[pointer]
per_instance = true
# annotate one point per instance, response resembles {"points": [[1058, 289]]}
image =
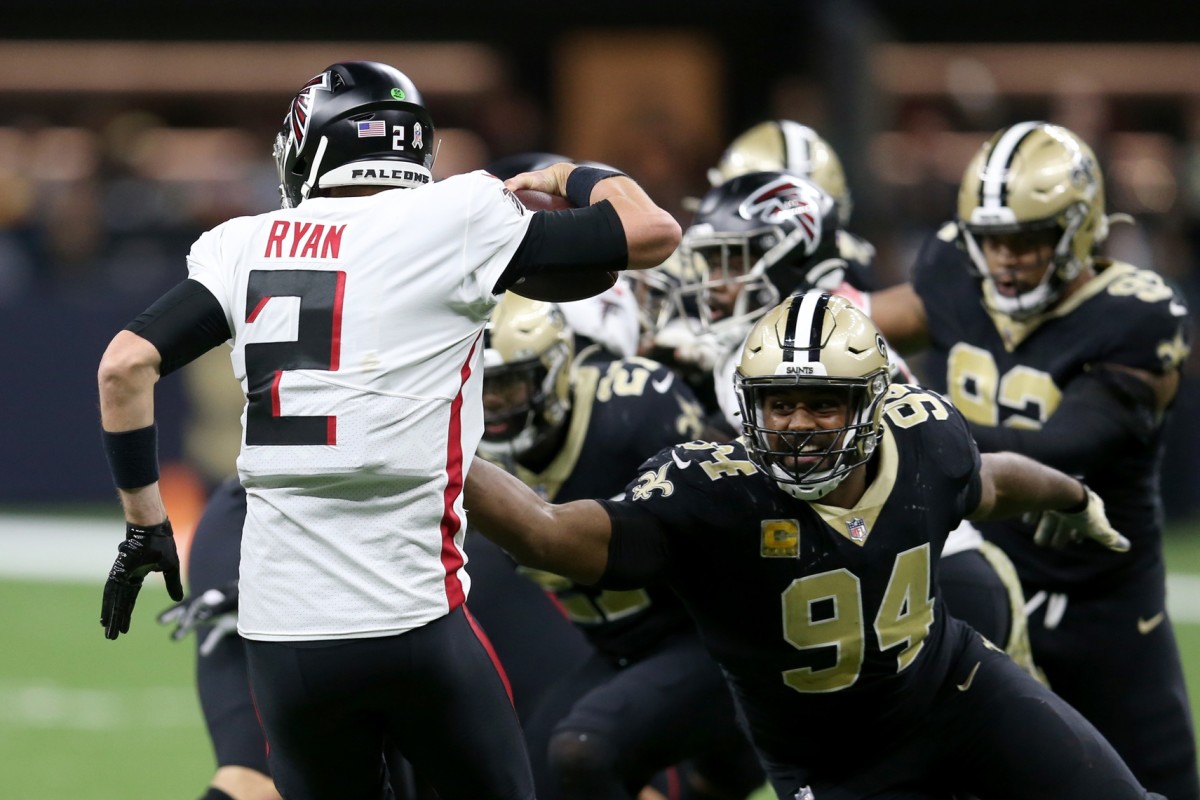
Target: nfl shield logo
{"points": [[857, 528]]}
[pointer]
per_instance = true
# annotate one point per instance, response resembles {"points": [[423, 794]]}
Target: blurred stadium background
{"points": [[127, 128]]}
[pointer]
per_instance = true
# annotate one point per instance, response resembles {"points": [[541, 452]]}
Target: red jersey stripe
{"points": [[452, 557]]}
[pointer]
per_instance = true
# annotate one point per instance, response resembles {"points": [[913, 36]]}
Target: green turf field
{"points": [[83, 717]]}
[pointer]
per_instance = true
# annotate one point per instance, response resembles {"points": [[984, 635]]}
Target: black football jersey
{"points": [[825, 619], [1000, 372], [621, 413]]}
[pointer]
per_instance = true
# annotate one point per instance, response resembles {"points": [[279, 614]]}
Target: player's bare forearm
{"points": [[128, 371], [1014, 484], [651, 233], [569, 539], [899, 314], [127, 374]]}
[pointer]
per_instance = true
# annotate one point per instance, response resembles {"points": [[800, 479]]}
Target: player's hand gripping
{"points": [[1058, 529], [216, 608], [146, 549]]}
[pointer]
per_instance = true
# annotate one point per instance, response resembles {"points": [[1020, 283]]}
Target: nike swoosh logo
{"points": [[1147, 625], [662, 384], [679, 462], [962, 687]]}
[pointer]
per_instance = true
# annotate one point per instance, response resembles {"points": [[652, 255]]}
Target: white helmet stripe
{"points": [[993, 182], [797, 146], [802, 332]]}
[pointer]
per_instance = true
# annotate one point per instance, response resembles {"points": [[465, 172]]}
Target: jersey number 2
{"points": [[317, 345]]}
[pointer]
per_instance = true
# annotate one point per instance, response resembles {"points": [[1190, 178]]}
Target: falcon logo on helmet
{"points": [[784, 145], [755, 239], [302, 107], [787, 200]]}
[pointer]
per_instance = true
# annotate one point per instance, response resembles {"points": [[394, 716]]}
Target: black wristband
{"points": [[132, 456], [582, 180], [161, 529], [1079, 508]]}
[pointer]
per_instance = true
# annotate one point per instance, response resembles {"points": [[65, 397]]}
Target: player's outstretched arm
{"points": [[651, 233], [899, 314], [128, 371], [569, 539], [1014, 484]]}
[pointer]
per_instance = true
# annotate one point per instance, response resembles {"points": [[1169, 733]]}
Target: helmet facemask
{"points": [[732, 281], [1062, 268], [818, 349], [829, 454], [534, 418], [528, 350]]}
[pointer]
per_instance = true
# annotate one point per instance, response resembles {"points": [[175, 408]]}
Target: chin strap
{"points": [[311, 181]]}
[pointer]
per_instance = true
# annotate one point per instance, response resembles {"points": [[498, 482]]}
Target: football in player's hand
{"points": [[559, 287], [541, 201]]}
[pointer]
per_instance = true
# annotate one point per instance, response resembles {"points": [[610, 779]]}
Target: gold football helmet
{"points": [[528, 350], [813, 340], [786, 145], [1034, 176]]}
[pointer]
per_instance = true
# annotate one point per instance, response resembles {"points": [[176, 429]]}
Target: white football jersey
{"points": [[609, 318], [357, 326]]}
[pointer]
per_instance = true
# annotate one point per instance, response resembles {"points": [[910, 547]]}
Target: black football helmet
{"points": [[356, 123], [772, 233]]}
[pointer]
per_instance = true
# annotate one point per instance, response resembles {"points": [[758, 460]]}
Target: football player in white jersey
{"points": [[355, 315]]}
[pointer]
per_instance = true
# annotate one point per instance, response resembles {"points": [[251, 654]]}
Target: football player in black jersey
{"points": [[1073, 359], [807, 554], [571, 426], [777, 231]]}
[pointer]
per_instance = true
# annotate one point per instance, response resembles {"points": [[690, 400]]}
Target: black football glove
{"points": [[215, 608], [146, 549]]}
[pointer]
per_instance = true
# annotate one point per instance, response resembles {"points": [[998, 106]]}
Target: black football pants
{"points": [[434, 692]]}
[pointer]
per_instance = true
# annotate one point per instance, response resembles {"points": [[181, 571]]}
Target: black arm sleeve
{"points": [[1099, 410], [588, 239], [184, 324], [638, 550]]}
